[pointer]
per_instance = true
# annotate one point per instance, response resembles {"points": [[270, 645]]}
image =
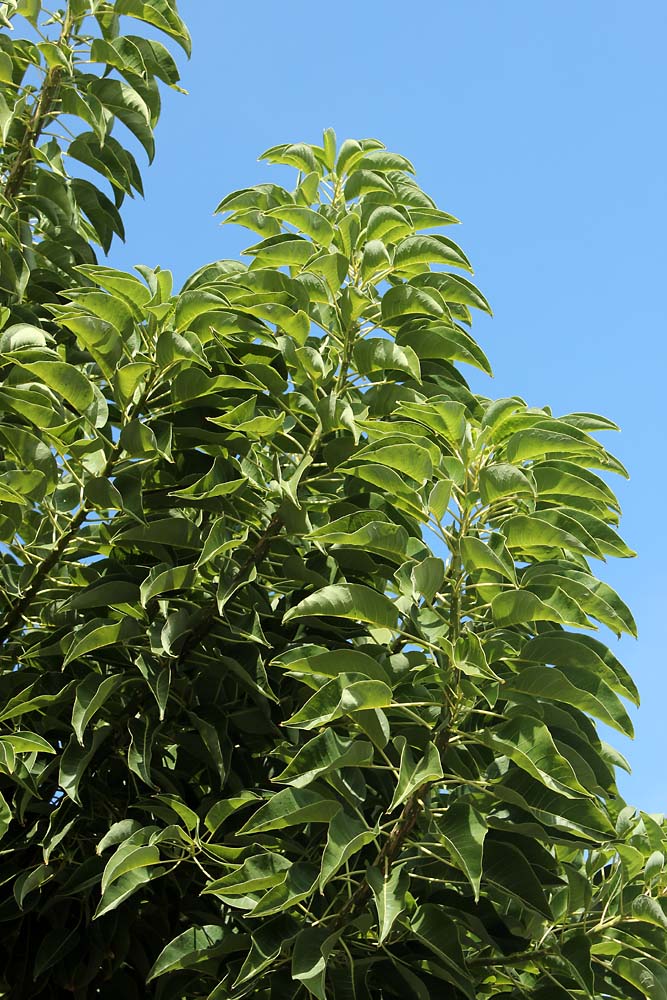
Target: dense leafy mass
{"points": [[299, 692]]}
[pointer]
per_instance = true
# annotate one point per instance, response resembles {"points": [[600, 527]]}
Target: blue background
{"points": [[542, 127]]}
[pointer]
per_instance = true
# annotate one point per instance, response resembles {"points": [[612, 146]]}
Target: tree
{"points": [[298, 694]]}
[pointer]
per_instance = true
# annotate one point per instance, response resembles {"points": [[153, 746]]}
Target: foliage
{"points": [[62, 92], [299, 692]]}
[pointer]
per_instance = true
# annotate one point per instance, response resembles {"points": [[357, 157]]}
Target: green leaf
{"points": [[25, 701], [29, 881], [6, 816], [387, 224], [597, 599], [277, 251], [127, 858], [519, 606], [566, 649], [124, 887], [352, 601], [528, 533], [412, 460], [313, 224], [389, 893], [380, 354], [382, 159], [582, 691], [324, 753], [428, 577], [529, 744], [477, 555], [463, 830], [64, 379], [172, 348], [346, 836], [330, 663], [363, 182], [446, 418], [123, 101], [309, 959], [25, 742], [374, 259], [267, 943], [91, 694], [291, 807], [496, 481], [140, 749], [439, 497], [434, 929], [438, 341], [535, 442], [187, 950], [160, 14], [185, 813], [413, 775], [98, 634], [299, 883], [221, 810], [415, 250], [403, 302], [214, 483], [636, 973], [54, 946], [102, 494], [75, 761], [261, 871], [162, 581], [343, 695], [506, 867], [390, 540], [649, 910], [455, 288], [565, 479]]}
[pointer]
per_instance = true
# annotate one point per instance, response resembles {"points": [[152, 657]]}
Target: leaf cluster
{"points": [[299, 688]]}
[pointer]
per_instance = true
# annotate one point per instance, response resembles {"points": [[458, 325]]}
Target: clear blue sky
{"points": [[542, 126]]}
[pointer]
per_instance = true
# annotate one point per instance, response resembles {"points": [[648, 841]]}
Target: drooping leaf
{"points": [[463, 830], [389, 893]]}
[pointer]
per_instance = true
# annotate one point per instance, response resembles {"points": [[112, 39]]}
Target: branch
{"points": [[393, 844], [17, 610], [40, 117], [520, 958]]}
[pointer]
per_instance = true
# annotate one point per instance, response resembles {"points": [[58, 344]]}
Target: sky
{"points": [[542, 127]]}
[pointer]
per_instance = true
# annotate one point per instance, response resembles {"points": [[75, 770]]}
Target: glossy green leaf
{"points": [[576, 688], [345, 694], [437, 932], [91, 694], [187, 950], [160, 14], [414, 774], [290, 807], [463, 830], [379, 354], [325, 752], [389, 894], [429, 250], [349, 601], [64, 379], [260, 871], [347, 835]]}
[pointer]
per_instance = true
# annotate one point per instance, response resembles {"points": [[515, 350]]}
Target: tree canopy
{"points": [[299, 691]]}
